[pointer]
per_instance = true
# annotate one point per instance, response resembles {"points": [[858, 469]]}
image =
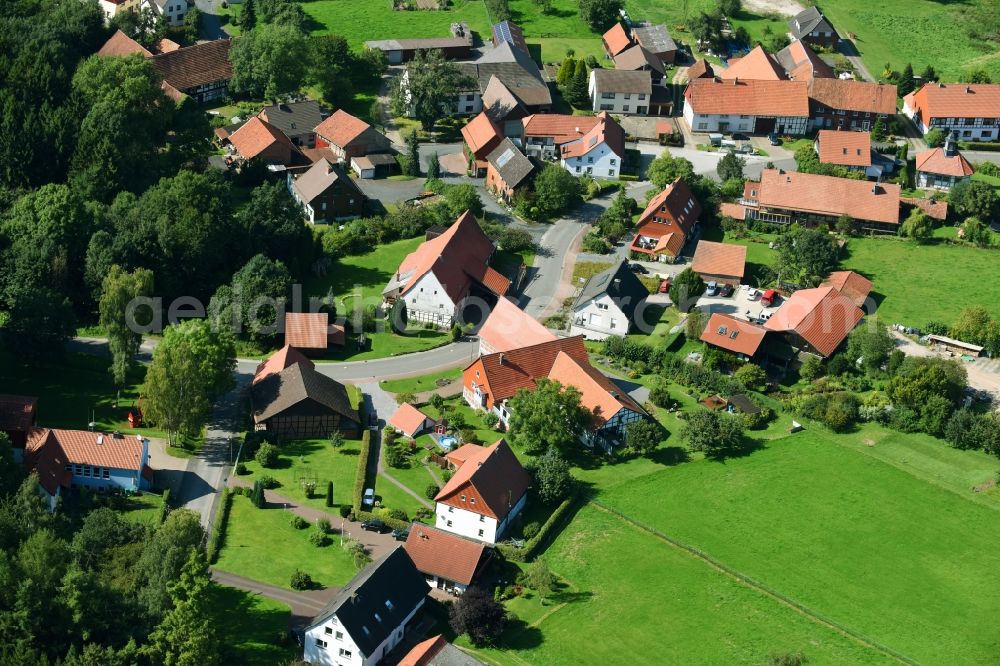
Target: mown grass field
{"points": [[360, 22], [312, 460], [420, 384], [249, 626]]}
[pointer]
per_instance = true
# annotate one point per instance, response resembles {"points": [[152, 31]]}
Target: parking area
{"points": [[744, 303]]}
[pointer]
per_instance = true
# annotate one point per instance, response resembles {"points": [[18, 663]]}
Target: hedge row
{"points": [[977, 145], [165, 506], [391, 522], [362, 473], [218, 535], [628, 177], [532, 546]]}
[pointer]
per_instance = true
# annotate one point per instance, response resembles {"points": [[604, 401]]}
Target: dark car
{"points": [[727, 290], [401, 534], [774, 139], [375, 525], [739, 136], [639, 268]]}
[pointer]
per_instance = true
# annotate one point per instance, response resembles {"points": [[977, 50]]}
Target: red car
{"points": [[664, 286], [769, 297]]}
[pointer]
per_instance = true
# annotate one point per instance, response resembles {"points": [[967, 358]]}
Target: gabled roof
{"points": [[845, 148], [436, 651], [408, 419], [598, 394], [622, 81], [293, 118], [955, 100], [808, 20], [606, 131], [318, 178], [510, 371], [515, 69], [497, 477], [618, 282], [279, 360], [342, 128], [481, 133], [735, 335], [701, 69], [17, 412], [256, 136], [801, 63], [500, 103], [48, 451], [671, 243], [852, 95], [306, 330], [509, 327], [748, 97], [510, 32], [937, 160], [823, 317], [443, 554], [675, 202], [757, 65], [561, 127], [853, 285], [456, 257], [390, 587], [459, 456], [193, 66], [829, 195], [616, 39], [275, 393], [512, 165], [637, 58], [655, 38], [120, 44], [935, 209], [711, 258]]}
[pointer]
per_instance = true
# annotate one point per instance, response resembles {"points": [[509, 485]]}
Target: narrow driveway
{"points": [[211, 22], [304, 605]]}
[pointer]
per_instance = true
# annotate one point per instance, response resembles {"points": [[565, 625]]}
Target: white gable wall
{"points": [[324, 648], [427, 301], [599, 162], [466, 523], [599, 318]]}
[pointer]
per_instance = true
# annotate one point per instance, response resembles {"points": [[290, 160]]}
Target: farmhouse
{"points": [[663, 227], [816, 321], [436, 278], [970, 110], [802, 64], [849, 105], [621, 91], [447, 561], [509, 327], [510, 33], [312, 332], [508, 171], [18, 414], [724, 263], [398, 51], [599, 152], [201, 71], [616, 40], [853, 151], [120, 44], [509, 85], [369, 616], [326, 193], [742, 338], [610, 303], [757, 65], [348, 136], [296, 120], [436, 651], [484, 496], [785, 197], [758, 107], [299, 402], [481, 136], [283, 358], [853, 285], [70, 459], [657, 41], [811, 27], [410, 421], [260, 140], [942, 168], [638, 58]]}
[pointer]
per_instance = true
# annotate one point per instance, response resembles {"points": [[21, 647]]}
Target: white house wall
{"points": [[466, 523], [699, 122], [600, 162], [599, 318], [427, 301], [317, 655]]}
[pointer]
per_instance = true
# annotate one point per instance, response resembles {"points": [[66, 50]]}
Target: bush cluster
{"points": [[218, 535], [531, 545], [362, 472]]}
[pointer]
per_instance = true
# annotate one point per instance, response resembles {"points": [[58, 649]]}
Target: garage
{"points": [[764, 125]]}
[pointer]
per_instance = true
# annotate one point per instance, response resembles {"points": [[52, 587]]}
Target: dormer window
{"points": [[378, 617], [364, 628], [388, 604]]}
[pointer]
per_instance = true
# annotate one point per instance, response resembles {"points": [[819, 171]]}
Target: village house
{"points": [[436, 651], [811, 27], [610, 303], [849, 105], [664, 226], [853, 285], [599, 152], [784, 197], [509, 327], [509, 85], [325, 193], [621, 91], [638, 58], [18, 415], [970, 110], [942, 168], [435, 279], [312, 332], [369, 616], [853, 151], [740, 337], [348, 136], [754, 107], [409, 421], [493, 379], [67, 460], [616, 40], [201, 71], [448, 562], [456, 47], [722, 263], [508, 171], [757, 65], [816, 321], [296, 120], [481, 136], [657, 41], [172, 11], [120, 44], [484, 496], [298, 402], [802, 64], [257, 139], [510, 33], [543, 135]]}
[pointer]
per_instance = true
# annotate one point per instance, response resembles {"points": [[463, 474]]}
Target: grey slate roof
{"points": [[623, 81], [294, 118], [318, 178], [510, 162], [515, 69], [638, 58], [655, 38], [618, 282], [276, 393], [393, 578], [808, 20], [452, 656]]}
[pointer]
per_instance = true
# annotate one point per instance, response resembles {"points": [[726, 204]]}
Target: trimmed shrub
{"points": [[362, 471], [218, 535], [241, 469], [329, 493], [269, 482], [318, 539], [301, 580], [267, 455], [299, 523], [531, 546], [431, 491], [323, 525], [165, 506], [531, 530], [345, 510]]}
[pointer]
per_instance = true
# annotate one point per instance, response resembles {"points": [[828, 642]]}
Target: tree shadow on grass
{"points": [[519, 636], [747, 447], [669, 456]]}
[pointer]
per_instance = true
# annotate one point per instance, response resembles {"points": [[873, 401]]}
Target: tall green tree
{"points": [[666, 168], [248, 18], [11, 472], [805, 256], [870, 345], [428, 88], [918, 226], [974, 231], [566, 70], [272, 225], [187, 636], [685, 290], [556, 190], [975, 199], [552, 476], [550, 415], [121, 318], [730, 166], [330, 65], [433, 167], [714, 433], [412, 154], [270, 61], [600, 14]]}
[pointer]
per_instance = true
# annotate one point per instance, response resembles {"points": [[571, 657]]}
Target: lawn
{"points": [[872, 546], [261, 544], [360, 22], [248, 627], [317, 461], [419, 384], [143, 508]]}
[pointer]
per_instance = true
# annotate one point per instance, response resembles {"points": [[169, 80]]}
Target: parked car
{"points": [[369, 498], [739, 136], [639, 268], [769, 298], [726, 291], [774, 139], [712, 289], [375, 525], [401, 534], [752, 294], [664, 286]]}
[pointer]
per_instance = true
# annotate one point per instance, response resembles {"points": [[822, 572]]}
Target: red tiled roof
{"points": [[408, 420], [445, 555], [48, 451], [599, 396], [700, 69], [193, 66], [712, 258], [306, 330], [670, 244], [494, 476], [510, 371], [562, 128], [423, 652], [341, 128], [492, 280], [756, 65], [120, 44], [509, 327], [616, 40], [806, 64], [481, 134], [167, 46], [853, 285], [278, 361], [823, 317], [845, 148], [935, 209], [17, 412], [955, 100], [606, 131], [733, 210], [937, 161], [852, 95], [735, 335], [748, 97], [670, 203], [256, 136], [459, 456], [829, 195]]}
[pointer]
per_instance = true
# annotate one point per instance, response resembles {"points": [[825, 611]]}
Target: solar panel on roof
{"points": [[503, 159]]}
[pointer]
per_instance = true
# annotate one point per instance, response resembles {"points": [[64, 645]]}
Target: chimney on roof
{"points": [[618, 282], [968, 90], [577, 130], [100, 439], [500, 359], [736, 81]]}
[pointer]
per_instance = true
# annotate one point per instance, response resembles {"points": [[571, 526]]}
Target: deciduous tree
{"points": [[550, 415], [731, 165], [685, 290], [478, 615], [666, 168], [553, 480], [714, 433], [429, 89], [269, 61], [556, 190], [120, 317]]}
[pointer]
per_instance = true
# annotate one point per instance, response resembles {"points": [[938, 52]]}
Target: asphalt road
{"points": [[211, 23]]}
